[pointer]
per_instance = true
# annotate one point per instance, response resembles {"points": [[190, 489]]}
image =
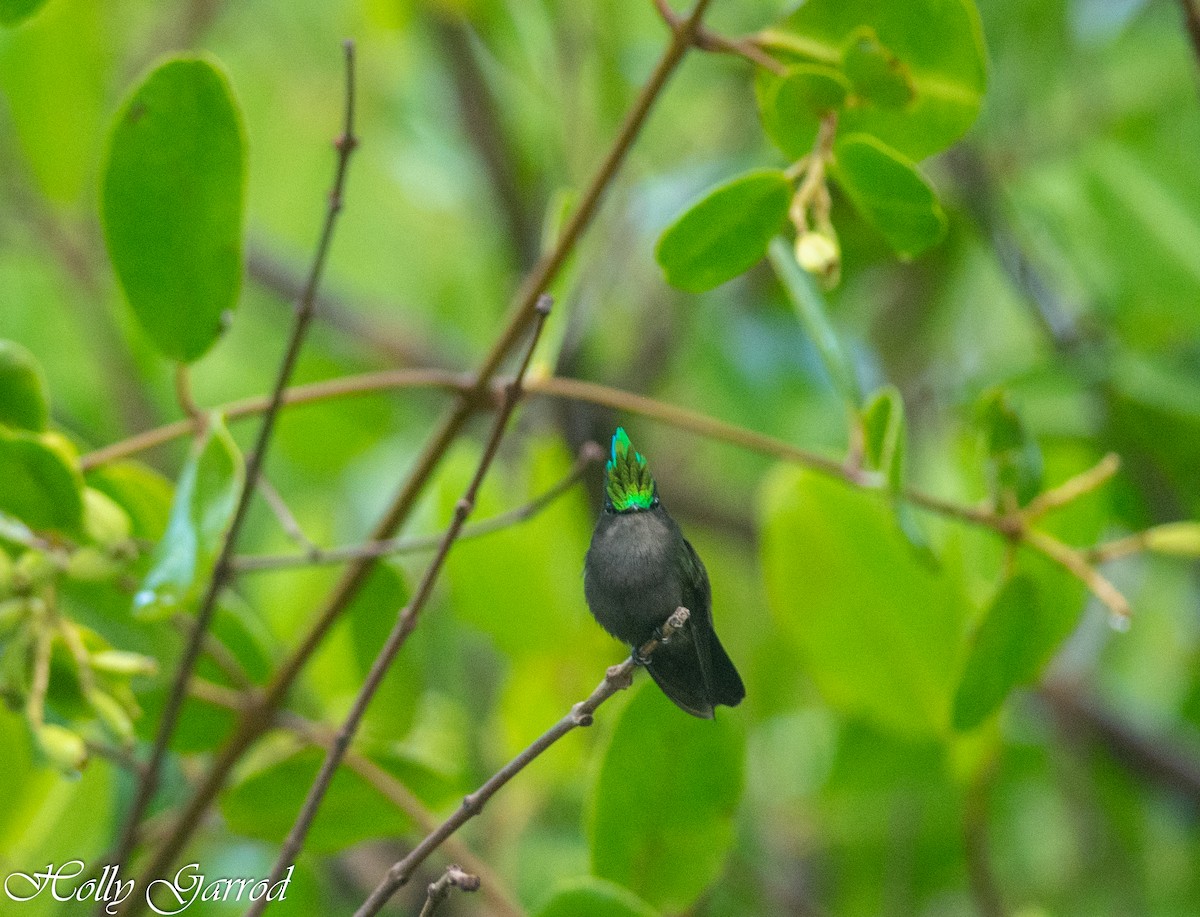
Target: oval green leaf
{"points": [[40, 487], [1004, 653], [595, 898], [23, 401], [664, 801], [879, 627], [725, 232], [876, 74], [890, 194], [172, 204], [936, 44], [791, 105], [205, 497]]}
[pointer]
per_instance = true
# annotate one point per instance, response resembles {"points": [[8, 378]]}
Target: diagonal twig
{"points": [[223, 568], [406, 622], [440, 890], [616, 678]]}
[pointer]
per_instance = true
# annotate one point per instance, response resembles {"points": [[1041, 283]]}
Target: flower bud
{"points": [[1181, 539], [64, 748], [819, 254]]}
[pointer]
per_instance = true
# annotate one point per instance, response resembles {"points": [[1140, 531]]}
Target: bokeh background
{"points": [[1070, 276]]}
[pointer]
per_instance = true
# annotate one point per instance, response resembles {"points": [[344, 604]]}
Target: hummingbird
{"points": [[638, 570]]}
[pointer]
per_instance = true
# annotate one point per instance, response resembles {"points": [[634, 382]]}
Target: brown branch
{"points": [[1075, 563], [1171, 763], [588, 455], [223, 568], [406, 622], [439, 891], [982, 879], [615, 679], [708, 40]]}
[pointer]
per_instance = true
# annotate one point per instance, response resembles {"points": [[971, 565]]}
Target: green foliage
{"points": [[23, 398], [172, 204], [42, 487], [1005, 652], [13, 12], [931, 50], [271, 788], [725, 232], [664, 801], [878, 627], [595, 898], [791, 105], [205, 497], [889, 193]]}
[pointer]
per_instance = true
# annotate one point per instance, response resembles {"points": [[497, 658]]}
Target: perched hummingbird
{"points": [[638, 570]]}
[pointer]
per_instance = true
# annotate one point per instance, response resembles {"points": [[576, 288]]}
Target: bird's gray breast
{"points": [[631, 578]]}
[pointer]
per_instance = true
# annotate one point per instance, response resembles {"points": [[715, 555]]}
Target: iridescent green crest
{"points": [[628, 483]]}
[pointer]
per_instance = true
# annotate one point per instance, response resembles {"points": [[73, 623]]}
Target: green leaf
{"points": [[725, 232], [205, 497], [890, 194], [40, 486], [1005, 652], [13, 12], [23, 400], [813, 312], [878, 626], [937, 44], [791, 105], [1014, 459], [595, 898], [172, 204], [664, 801], [271, 788], [884, 431], [138, 489], [53, 77], [877, 75]]}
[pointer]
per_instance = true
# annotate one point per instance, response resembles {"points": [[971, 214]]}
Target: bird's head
{"points": [[628, 486]]}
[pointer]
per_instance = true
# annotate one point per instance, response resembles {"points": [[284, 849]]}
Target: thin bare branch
{"points": [[406, 622], [616, 678], [222, 569], [1072, 489], [1075, 563], [588, 455], [286, 519], [440, 890]]}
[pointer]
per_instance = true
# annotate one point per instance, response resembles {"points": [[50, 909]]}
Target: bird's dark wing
{"points": [[721, 678]]}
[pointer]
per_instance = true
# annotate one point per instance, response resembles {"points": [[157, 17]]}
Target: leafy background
{"points": [[869, 770]]}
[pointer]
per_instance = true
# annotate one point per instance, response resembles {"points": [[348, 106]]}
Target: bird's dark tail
{"points": [[688, 682], [727, 687]]}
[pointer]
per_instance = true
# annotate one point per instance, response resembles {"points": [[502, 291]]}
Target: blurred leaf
{"points": [[664, 800], [205, 498], [877, 75], [1014, 459], [1179, 539], [890, 194], [172, 204], [23, 398], [724, 233], [811, 308], [12, 12], [791, 105], [938, 43], [53, 71], [884, 430], [138, 489], [595, 898], [879, 627], [40, 486], [271, 788], [1004, 653]]}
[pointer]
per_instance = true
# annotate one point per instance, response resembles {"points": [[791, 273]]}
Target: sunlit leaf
{"points": [[879, 627], [724, 233], [172, 204], [664, 800], [205, 497], [937, 45], [889, 193]]}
